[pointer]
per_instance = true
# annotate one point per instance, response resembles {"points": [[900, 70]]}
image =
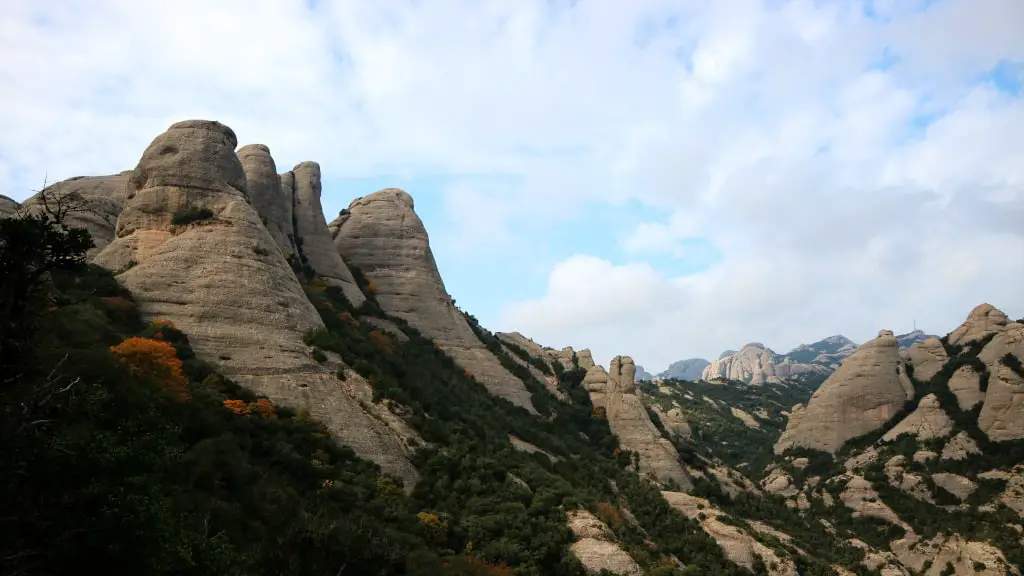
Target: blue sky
{"points": [[659, 178]]}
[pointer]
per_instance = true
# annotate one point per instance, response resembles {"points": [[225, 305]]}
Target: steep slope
{"points": [[643, 375], [755, 364], [382, 235], [858, 398], [313, 243], [689, 369], [193, 250], [613, 394], [8, 206], [276, 209]]}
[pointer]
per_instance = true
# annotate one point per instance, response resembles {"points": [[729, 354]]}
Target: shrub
{"points": [[191, 214], [156, 361]]}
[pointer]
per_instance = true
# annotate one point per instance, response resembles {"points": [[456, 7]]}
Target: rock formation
{"points": [[383, 236], [1002, 414], [927, 421], [983, 320], [224, 282], [927, 357], [267, 196], [862, 395], [312, 238], [96, 200], [596, 548], [8, 206], [689, 369], [584, 359], [965, 383], [628, 419]]}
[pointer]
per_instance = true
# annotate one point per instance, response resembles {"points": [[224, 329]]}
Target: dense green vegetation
{"points": [[191, 214]]}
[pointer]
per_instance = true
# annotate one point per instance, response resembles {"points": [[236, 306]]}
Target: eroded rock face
{"points": [[596, 548], [927, 357], [1010, 340], [384, 237], [223, 281], [927, 421], [628, 419], [863, 394], [1002, 414], [622, 373], [313, 239], [985, 319], [753, 364], [965, 383], [8, 206], [674, 421], [584, 359], [268, 197], [738, 545], [960, 447], [689, 369], [98, 201]]}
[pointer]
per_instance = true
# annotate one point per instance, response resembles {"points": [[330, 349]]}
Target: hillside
{"points": [[204, 376]]}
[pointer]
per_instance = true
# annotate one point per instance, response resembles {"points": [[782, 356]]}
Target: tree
{"points": [[156, 361], [34, 242]]}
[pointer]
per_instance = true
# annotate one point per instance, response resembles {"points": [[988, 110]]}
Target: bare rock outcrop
{"points": [[753, 364], [313, 240], [222, 280], [596, 548], [384, 237], [862, 395], [927, 421], [96, 203], [944, 552], [584, 359], [983, 320], [860, 497], [965, 383], [957, 485], [267, 196], [960, 447], [744, 417], [927, 358], [1010, 340], [628, 419], [1002, 414], [674, 421], [622, 373], [739, 545], [8, 206]]}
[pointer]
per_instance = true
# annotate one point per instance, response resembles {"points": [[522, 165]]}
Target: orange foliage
{"points": [[598, 413], [371, 288], [161, 323], [118, 301], [348, 319], [156, 361], [608, 514], [617, 451], [381, 340], [265, 408], [469, 373], [237, 406]]}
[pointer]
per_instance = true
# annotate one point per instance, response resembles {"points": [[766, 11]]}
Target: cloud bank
{"points": [[776, 171]]}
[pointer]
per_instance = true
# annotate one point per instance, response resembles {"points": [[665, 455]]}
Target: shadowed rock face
{"points": [[859, 397], [224, 282], [267, 196], [314, 241], [384, 237], [98, 201]]}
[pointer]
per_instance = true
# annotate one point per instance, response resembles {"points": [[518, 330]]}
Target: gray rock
{"points": [[98, 200], [863, 394], [268, 197], [384, 237], [313, 239], [689, 369]]}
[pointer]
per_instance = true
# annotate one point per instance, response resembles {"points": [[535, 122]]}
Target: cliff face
{"points": [[192, 249], [859, 397], [383, 236]]}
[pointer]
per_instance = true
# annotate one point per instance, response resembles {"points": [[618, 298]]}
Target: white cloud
{"points": [[764, 126]]}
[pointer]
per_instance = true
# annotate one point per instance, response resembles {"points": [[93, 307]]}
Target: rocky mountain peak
{"points": [[983, 320]]}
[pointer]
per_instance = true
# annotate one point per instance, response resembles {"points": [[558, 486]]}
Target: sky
{"points": [[659, 178]]}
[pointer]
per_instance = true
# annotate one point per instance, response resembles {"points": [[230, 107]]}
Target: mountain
{"points": [[203, 375], [807, 363], [643, 375], [689, 369]]}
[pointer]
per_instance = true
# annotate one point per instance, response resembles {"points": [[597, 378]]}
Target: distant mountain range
{"points": [[756, 364]]}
